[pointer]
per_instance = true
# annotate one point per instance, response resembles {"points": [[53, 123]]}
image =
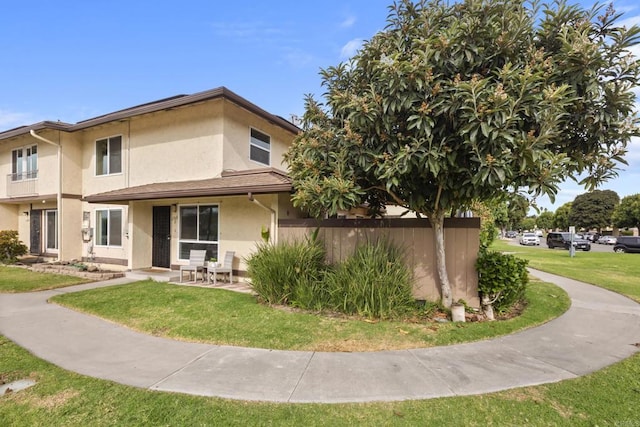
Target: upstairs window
{"points": [[24, 163], [260, 147], [109, 155]]}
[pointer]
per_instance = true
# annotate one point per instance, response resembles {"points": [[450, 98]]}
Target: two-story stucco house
{"points": [[140, 187]]}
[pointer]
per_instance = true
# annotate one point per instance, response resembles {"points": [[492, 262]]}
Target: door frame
{"points": [[161, 245]]}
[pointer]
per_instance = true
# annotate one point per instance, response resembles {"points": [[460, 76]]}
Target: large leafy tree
{"points": [[627, 213], [456, 102], [593, 209], [545, 220], [561, 217]]}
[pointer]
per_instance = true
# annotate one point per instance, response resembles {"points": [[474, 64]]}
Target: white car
{"points": [[529, 239]]}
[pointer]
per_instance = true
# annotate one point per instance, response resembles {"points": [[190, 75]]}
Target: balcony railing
{"points": [[22, 184]]}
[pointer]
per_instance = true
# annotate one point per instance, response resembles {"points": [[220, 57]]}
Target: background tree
{"points": [[528, 223], [593, 209], [544, 221], [561, 217], [462, 101], [500, 213], [517, 208], [627, 213]]}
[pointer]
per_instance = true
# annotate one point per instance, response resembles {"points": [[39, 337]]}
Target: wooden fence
{"points": [[415, 236]]}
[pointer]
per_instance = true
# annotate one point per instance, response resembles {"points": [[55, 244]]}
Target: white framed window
{"points": [[108, 227], [199, 227], [24, 163], [109, 155], [260, 147]]}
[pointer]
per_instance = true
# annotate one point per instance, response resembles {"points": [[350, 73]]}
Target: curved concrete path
{"points": [[599, 329]]}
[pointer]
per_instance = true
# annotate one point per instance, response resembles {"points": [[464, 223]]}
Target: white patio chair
{"points": [[225, 268], [196, 264]]}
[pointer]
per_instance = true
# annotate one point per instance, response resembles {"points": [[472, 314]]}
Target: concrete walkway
{"points": [[599, 329]]}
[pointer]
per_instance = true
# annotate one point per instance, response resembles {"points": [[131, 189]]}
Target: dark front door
{"points": [[161, 253], [35, 244]]}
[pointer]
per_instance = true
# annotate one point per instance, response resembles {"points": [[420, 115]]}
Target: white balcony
{"points": [[22, 184]]}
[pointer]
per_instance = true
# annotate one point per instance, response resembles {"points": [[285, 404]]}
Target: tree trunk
{"points": [[437, 222], [487, 308]]}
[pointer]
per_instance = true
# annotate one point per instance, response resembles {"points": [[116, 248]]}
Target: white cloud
{"points": [[11, 119], [350, 49], [298, 58], [348, 22], [248, 31]]}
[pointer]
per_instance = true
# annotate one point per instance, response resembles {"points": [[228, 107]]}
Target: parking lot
{"points": [[595, 247]]}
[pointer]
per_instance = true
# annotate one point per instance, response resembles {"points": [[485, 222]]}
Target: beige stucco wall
{"points": [[71, 225], [141, 233], [24, 231], [72, 150], [91, 249], [8, 217], [179, 145], [237, 133]]}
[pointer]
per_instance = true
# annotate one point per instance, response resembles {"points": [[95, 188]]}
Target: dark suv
{"points": [[627, 244], [563, 240]]}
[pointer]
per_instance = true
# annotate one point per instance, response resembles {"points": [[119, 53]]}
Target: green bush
{"points": [[373, 282], [501, 277], [10, 246], [289, 273]]}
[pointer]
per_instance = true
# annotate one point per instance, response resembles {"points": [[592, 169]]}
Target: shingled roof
{"points": [[255, 181]]}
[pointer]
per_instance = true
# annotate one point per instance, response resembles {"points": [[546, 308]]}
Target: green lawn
{"points": [[60, 398], [617, 272], [224, 317], [16, 279]]}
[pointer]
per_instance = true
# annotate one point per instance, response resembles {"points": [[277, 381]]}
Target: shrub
{"points": [[289, 273], [373, 282], [502, 279], [10, 246]]}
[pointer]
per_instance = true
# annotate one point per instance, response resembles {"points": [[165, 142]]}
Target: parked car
{"points": [[529, 239], [607, 240], [627, 244], [591, 236], [563, 240], [511, 234]]}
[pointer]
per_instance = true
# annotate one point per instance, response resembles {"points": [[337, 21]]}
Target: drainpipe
{"points": [[272, 230], [59, 194]]}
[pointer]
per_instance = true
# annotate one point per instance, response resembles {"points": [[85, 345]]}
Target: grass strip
{"points": [[223, 317], [60, 398], [17, 279]]}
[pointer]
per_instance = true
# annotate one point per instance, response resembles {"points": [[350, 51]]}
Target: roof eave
{"points": [[180, 194]]}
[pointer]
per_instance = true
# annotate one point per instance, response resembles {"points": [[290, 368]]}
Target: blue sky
{"points": [[73, 60]]}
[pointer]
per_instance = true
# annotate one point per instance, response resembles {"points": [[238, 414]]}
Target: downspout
{"points": [[273, 231], [59, 194]]}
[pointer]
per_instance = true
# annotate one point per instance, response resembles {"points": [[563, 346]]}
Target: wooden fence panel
{"points": [[415, 236]]}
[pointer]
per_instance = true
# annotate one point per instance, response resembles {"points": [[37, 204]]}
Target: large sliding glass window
{"points": [[108, 227], [109, 155], [198, 230], [24, 163]]}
